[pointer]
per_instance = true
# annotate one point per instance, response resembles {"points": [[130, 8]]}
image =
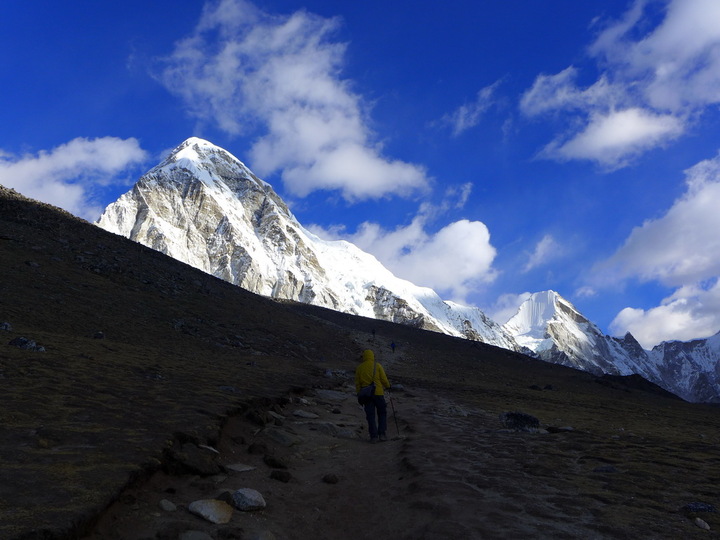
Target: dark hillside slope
{"points": [[143, 352]]}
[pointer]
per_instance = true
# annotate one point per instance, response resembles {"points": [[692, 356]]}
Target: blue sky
{"points": [[485, 149]]}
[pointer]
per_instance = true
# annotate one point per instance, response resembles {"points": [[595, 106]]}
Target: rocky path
{"points": [[448, 470], [441, 474]]}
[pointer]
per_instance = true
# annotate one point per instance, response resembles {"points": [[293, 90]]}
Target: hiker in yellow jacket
{"points": [[363, 377]]}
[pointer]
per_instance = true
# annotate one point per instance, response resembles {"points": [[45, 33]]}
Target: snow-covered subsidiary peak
{"points": [[531, 320], [550, 326], [557, 332], [203, 206]]}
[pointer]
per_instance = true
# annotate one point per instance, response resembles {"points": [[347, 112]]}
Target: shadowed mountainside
{"points": [[143, 353]]}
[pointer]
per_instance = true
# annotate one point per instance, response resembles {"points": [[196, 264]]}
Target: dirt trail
{"points": [[445, 472], [448, 470]]}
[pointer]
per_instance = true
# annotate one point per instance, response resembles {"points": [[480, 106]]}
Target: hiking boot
{"points": [[383, 438]]}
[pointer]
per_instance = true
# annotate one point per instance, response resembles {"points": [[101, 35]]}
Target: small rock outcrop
{"points": [[27, 344]]}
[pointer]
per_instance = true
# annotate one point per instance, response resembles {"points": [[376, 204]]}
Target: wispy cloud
{"points": [[680, 250], [282, 75], [71, 175], [469, 115], [546, 250], [653, 84]]}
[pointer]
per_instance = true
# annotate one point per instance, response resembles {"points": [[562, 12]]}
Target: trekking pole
{"points": [[392, 404]]}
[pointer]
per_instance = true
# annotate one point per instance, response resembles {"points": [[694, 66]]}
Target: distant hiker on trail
{"points": [[368, 372], [392, 346]]}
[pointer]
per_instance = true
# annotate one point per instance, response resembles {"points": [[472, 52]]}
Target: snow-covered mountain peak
{"points": [[533, 315], [198, 160], [203, 206]]}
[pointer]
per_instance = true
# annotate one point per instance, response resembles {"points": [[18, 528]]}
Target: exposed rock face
{"points": [[690, 369], [204, 207]]}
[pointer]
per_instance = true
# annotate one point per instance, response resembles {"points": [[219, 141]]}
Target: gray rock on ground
{"points": [[248, 500], [212, 510]]}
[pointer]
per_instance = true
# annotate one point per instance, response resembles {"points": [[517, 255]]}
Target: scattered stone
{"points": [[6, 326], [699, 507], [206, 447], [556, 429], [274, 462], [282, 476], [27, 344], [457, 411], [282, 437], [248, 500], [239, 467], [397, 387], [331, 395], [519, 421], [702, 524], [99, 335], [330, 479], [305, 414], [214, 511], [276, 416], [167, 506]]}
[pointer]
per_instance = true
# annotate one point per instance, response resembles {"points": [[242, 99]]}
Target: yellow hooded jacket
{"points": [[364, 374]]}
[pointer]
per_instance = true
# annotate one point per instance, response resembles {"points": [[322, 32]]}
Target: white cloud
{"points": [[545, 250], [243, 67], [70, 175], [692, 312], [677, 63], [655, 79], [455, 261], [681, 250], [614, 138], [468, 115], [681, 247]]}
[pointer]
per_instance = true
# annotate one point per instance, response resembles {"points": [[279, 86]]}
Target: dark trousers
{"points": [[376, 405]]}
